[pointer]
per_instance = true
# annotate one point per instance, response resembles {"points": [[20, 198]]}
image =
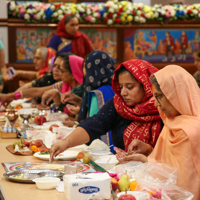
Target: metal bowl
{"points": [[12, 114]]}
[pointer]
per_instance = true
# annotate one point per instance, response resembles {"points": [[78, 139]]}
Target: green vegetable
{"points": [[44, 153]]}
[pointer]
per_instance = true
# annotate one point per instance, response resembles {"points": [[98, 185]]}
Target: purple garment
{"points": [[56, 41]]}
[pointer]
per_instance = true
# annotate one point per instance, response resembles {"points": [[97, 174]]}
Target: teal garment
{"points": [[78, 90], [1, 45], [94, 108]]}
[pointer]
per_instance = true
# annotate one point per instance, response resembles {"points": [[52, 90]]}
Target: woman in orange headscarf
{"points": [[177, 97], [69, 39], [41, 62]]}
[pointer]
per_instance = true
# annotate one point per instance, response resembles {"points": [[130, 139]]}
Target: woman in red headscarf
{"points": [[69, 39], [130, 115]]}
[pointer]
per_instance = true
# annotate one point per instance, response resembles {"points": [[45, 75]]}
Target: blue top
{"points": [[56, 41], [1, 45], [105, 120]]}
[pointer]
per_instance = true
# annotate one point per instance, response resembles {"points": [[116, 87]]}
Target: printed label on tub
{"points": [[83, 186], [89, 190]]}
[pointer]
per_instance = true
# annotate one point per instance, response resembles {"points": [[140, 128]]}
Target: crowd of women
{"points": [[153, 116]]}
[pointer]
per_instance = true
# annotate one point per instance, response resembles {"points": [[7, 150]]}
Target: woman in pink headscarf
{"points": [[177, 97], [70, 67]]}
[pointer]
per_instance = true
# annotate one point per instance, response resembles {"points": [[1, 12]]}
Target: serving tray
{"points": [[26, 176]]}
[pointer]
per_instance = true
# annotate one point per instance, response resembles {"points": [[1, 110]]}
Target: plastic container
{"points": [[96, 154], [46, 183], [107, 163]]}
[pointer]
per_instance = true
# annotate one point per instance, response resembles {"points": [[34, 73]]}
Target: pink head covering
{"points": [[76, 65], [178, 143]]}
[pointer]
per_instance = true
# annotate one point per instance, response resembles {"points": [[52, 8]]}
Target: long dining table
{"points": [[21, 191]]}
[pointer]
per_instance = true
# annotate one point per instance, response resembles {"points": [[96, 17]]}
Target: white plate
{"points": [[59, 123], [66, 155]]}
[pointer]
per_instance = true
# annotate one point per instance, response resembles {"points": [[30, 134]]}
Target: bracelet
{"points": [[75, 124], [17, 95], [68, 140]]}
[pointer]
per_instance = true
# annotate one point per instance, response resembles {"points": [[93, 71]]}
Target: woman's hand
{"points": [[73, 109], [42, 107], [58, 148], [68, 122], [136, 157], [71, 98], [5, 99], [50, 95], [137, 146]]}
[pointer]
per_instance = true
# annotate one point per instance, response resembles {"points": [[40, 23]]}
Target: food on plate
{"points": [[26, 143], [43, 152], [18, 107], [80, 155], [114, 184], [53, 125], [34, 149], [126, 197], [133, 185], [86, 159], [37, 143], [20, 143], [41, 119], [123, 183], [21, 176]]}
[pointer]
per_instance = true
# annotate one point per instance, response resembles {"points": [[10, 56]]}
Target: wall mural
{"points": [[161, 45], [29, 39]]}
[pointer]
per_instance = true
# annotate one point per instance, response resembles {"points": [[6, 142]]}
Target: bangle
{"points": [[68, 140], [17, 95], [75, 124]]}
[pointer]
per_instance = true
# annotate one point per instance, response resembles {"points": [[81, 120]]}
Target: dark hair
{"points": [[65, 57], [67, 18], [154, 81], [197, 52], [123, 69]]}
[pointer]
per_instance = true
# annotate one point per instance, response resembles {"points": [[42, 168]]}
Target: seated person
{"points": [[68, 38], [177, 97], [49, 78], [130, 114], [41, 61], [197, 64], [71, 76], [98, 71]]}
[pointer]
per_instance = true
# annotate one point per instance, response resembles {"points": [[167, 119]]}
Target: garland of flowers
{"points": [[112, 12]]}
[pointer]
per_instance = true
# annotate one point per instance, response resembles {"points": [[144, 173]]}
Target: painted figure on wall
{"points": [[29, 50], [184, 45], [161, 45], [169, 42], [142, 47], [21, 52]]}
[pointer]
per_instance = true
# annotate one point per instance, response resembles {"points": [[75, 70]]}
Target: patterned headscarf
{"points": [[146, 125], [99, 71]]}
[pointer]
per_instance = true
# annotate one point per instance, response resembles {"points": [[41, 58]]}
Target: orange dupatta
{"points": [[178, 143], [45, 69]]}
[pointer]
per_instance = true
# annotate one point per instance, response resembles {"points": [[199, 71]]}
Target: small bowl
{"points": [[12, 114], [96, 154], [46, 183], [106, 163]]}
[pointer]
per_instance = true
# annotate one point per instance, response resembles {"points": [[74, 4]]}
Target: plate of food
{"points": [[66, 155]]}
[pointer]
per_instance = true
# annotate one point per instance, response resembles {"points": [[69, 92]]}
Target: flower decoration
{"points": [[111, 12]]}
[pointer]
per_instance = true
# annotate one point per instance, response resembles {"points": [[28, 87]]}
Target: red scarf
{"points": [[146, 125], [80, 43], [45, 69]]}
